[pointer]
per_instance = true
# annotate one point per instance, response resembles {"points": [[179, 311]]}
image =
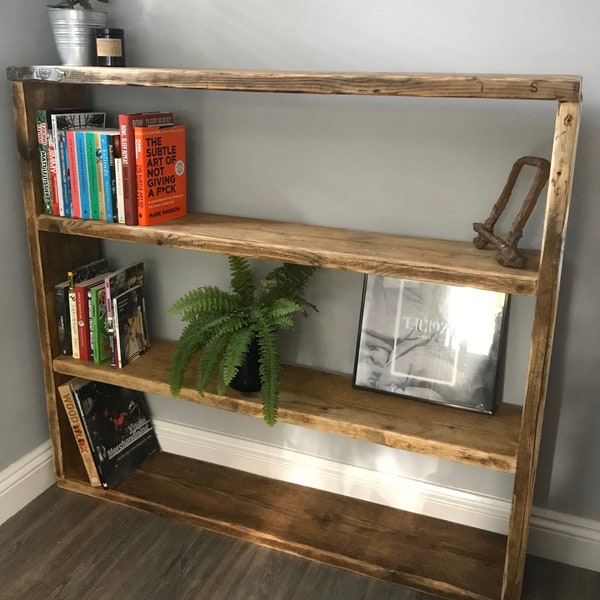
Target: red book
{"points": [[83, 315], [73, 174], [161, 173], [53, 174], [126, 124]]}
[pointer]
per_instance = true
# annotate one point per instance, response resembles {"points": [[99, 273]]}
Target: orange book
{"points": [[160, 173]]}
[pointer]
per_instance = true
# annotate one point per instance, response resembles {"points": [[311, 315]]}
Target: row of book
{"points": [[101, 314], [133, 174], [112, 427]]}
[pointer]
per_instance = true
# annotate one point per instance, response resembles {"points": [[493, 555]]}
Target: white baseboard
{"points": [[555, 536], [25, 479]]}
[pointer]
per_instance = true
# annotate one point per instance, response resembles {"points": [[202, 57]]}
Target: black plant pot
{"points": [[247, 379]]}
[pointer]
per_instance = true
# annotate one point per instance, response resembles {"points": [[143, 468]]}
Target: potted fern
{"points": [[231, 327], [73, 23]]}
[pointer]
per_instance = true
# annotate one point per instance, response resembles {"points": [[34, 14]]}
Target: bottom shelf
{"points": [[423, 553]]}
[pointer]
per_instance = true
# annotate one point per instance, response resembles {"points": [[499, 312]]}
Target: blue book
{"points": [[60, 123], [82, 176], [108, 173]]}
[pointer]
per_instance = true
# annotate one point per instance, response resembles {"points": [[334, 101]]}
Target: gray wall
{"points": [[412, 166], [23, 424]]}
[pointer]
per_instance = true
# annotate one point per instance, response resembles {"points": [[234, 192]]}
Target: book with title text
{"points": [[118, 428], [160, 166], [126, 124]]}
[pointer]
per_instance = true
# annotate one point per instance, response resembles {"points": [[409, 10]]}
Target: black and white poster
{"points": [[432, 342]]}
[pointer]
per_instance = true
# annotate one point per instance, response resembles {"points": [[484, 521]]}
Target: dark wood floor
{"points": [[66, 546]]}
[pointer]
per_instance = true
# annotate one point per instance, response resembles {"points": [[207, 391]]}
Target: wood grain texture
{"points": [[438, 85], [51, 255], [122, 553], [419, 552], [412, 550], [438, 261], [327, 402], [557, 208]]}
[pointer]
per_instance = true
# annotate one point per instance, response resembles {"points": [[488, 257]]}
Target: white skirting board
{"points": [[555, 536]]}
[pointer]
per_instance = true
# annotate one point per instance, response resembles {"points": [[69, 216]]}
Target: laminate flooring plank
{"points": [[65, 546]]}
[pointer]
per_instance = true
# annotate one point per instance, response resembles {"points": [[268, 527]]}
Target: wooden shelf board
{"points": [[438, 85], [419, 552], [327, 402], [439, 261]]}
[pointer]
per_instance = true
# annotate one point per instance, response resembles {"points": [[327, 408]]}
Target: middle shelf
{"points": [[424, 259], [328, 402]]}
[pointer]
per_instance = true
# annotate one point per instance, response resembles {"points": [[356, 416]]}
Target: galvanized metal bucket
{"points": [[74, 34]]}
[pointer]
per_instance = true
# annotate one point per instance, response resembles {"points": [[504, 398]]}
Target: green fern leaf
{"points": [[209, 362], [191, 341], [270, 371], [242, 279], [235, 353], [204, 300]]}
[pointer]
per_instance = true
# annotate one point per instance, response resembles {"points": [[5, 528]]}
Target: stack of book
{"points": [[112, 427], [101, 314], [134, 174]]}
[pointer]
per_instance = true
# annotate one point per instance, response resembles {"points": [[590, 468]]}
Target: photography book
{"points": [[118, 428]]}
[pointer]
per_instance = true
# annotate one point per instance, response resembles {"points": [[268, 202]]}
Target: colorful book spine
{"points": [[80, 434], [63, 320], [161, 173], [126, 124], [53, 173], [83, 315], [98, 333], [100, 177], [107, 142], [119, 190], [42, 126], [92, 174], [73, 174], [82, 177]]}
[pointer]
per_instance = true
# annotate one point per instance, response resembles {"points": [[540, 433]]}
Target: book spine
{"points": [[90, 151], [119, 190], [53, 174], [80, 436], [73, 175], [73, 322], [63, 321], [62, 174], [126, 124], [82, 177], [99, 177], [83, 322], [107, 182], [41, 119], [99, 335], [116, 360]]}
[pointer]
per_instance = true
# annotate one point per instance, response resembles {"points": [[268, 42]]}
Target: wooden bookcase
{"points": [[438, 557]]}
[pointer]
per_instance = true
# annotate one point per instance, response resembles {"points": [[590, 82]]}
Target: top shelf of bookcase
{"points": [[562, 88]]}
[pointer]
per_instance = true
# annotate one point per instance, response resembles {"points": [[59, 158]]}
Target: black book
{"points": [[118, 427], [63, 317]]}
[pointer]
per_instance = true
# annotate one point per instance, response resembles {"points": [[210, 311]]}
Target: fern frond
{"points": [[233, 357], [270, 371], [204, 300], [191, 341], [209, 362], [242, 279]]}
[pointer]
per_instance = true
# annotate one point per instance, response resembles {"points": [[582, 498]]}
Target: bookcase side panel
{"points": [[557, 208], [50, 254]]}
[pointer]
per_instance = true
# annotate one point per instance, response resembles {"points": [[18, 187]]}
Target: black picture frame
{"points": [[431, 342]]}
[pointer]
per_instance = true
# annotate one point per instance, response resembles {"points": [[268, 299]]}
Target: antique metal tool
{"points": [[508, 254]]}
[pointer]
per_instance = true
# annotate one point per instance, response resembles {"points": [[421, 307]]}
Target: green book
{"points": [[92, 172], [100, 343]]}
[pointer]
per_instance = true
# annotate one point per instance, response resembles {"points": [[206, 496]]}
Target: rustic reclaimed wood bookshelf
{"points": [[432, 555]]}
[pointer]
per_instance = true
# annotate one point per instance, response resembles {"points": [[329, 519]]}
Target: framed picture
{"points": [[431, 342]]}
